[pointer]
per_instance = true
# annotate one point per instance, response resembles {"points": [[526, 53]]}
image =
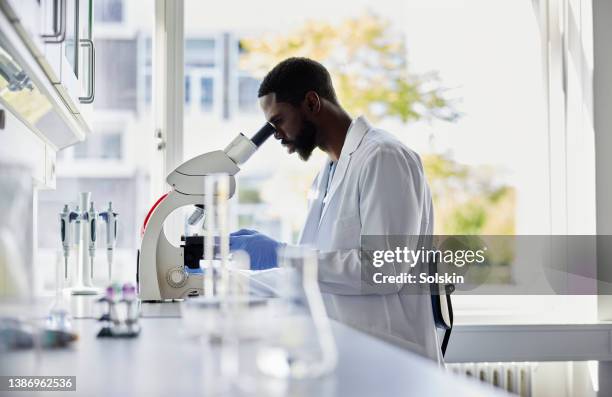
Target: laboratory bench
{"points": [[164, 361]]}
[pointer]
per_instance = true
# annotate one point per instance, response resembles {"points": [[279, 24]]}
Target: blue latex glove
{"points": [[261, 248]]}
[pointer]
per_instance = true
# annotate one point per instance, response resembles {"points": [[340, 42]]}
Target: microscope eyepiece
{"points": [[241, 148], [264, 133]]}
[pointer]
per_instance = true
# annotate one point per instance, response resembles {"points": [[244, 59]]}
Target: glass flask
{"points": [[301, 344]]}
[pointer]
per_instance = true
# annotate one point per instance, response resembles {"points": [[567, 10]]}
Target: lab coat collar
{"points": [[354, 136]]}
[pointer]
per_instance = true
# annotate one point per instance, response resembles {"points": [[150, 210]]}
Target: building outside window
{"points": [[106, 146], [206, 93], [187, 90], [117, 70], [108, 11], [247, 92], [203, 69]]}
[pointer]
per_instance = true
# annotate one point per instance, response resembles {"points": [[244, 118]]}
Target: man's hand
{"points": [[261, 248]]}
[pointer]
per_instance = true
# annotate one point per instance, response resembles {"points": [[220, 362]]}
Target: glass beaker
{"points": [[203, 315], [302, 344]]}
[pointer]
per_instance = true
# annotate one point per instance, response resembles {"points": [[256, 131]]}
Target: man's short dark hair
{"points": [[291, 79]]}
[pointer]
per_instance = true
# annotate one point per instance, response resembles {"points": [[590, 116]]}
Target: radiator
{"points": [[512, 377]]}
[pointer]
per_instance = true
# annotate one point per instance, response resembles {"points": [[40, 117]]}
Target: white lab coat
{"points": [[378, 188]]}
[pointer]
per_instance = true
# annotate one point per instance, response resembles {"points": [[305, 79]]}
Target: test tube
{"points": [[223, 228], [208, 236], [215, 232]]}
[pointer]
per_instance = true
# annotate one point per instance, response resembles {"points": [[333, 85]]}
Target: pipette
{"points": [[110, 217], [65, 236], [78, 216], [92, 217]]}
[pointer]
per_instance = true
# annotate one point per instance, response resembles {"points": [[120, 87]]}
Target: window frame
{"points": [[167, 90]]}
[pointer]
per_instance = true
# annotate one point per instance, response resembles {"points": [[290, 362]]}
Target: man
{"points": [[371, 184]]}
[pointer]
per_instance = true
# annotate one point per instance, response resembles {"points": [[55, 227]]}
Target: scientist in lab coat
{"points": [[371, 184]]}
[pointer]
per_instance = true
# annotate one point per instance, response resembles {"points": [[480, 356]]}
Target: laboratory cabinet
{"points": [[59, 35], [46, 80]]}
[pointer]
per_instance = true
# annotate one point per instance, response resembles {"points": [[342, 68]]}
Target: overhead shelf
{"points": [[27, 86]]}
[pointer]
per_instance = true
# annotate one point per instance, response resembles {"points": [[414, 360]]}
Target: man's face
{"points": [[295, 132]]}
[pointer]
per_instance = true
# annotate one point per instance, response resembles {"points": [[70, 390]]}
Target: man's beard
{"points": [[306, 141]]}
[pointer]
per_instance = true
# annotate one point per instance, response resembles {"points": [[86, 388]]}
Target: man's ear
{"points": [[312, 102]]}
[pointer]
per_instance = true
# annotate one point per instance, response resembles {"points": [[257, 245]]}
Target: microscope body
{"points": [[162, 267]]}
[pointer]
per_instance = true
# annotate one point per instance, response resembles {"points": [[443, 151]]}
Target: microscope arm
{"points": [[220, 161], [188, 178]]}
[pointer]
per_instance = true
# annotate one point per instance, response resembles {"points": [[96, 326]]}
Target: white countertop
{"points": [[164, 361]]}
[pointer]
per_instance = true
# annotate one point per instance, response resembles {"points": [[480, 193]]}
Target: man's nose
{"points": [[278, 135]]}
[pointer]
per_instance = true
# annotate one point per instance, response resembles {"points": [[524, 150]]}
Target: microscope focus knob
{"points": [[176, 277]]}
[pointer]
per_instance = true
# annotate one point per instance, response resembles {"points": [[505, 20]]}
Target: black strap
{"points": [[437, 309], [449, 290]]}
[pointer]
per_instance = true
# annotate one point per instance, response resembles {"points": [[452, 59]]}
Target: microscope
{"points": [[162, 268]]}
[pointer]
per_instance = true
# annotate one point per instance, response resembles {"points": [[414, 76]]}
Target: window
{"points": [[248, 85], [199, 53], [206, 93], [116, 70], [202, 75], [148, 71], [187, 89], [487, 185], [108, 10], [247, 93], [485, 149], [100, 146]]}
